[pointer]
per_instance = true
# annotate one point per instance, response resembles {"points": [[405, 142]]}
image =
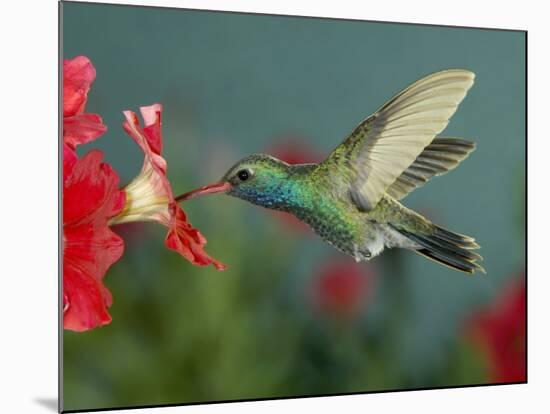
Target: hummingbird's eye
{"points": [[243, 175]]}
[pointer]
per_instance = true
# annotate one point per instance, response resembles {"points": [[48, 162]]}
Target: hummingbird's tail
{"points": [[446, 247]]}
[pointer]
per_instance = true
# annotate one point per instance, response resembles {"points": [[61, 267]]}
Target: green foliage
{"points": [[188, 334]]}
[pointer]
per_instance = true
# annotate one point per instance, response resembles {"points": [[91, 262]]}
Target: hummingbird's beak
{"points": [[207, 189]]}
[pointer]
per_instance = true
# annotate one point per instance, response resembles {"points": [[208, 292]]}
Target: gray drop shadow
{"points": [[49, 403]]}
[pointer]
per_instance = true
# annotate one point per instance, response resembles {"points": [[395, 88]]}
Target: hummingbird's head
{"points": [[260, 179]]}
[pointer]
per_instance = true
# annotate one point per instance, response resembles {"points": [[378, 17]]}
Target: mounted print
{"points": [[263, 206]]}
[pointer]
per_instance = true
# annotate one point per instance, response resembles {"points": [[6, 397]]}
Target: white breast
{"points": [[374, 245], [384, 236]]}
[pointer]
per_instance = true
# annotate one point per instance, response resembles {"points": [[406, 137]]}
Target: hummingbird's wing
{"points": [[441, 156], [385, 144]]}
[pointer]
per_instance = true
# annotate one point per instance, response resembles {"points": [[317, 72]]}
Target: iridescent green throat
{"points": [[285, 188]]}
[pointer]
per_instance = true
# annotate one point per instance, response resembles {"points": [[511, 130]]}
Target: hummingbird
{"points": [[352, 198]]}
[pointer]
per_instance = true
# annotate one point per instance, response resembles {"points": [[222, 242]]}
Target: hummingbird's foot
{"points": [[361, 255]]}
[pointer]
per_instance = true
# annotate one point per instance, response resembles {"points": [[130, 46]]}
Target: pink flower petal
{"points": [[95, 248], [83, 128], [78, 75], [69, 161], [188, 241], [90, 198], [133, 128], [152, 182], [84, 301], [91, 191], [153, 131]]}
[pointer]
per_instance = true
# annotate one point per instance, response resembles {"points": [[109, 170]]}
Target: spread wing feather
{"points": [[442, 155], [384, 145]]}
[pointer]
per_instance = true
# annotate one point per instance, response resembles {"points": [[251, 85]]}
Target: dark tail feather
{"points": [[448, 248]]}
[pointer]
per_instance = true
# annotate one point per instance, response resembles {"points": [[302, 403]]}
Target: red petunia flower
{"points": [[342, 288], [500, 332], [90, 198], [149, 196], [79, 127]]}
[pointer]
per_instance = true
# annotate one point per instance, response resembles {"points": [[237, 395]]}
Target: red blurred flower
{"points": [[342, 288], [293, 150], [79, 127], [292, 223], [90, 198], [499, 330], [149, 196]]}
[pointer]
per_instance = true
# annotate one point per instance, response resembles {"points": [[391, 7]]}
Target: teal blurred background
{"points": [[291, 315]]}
